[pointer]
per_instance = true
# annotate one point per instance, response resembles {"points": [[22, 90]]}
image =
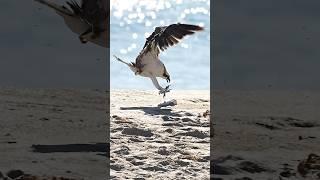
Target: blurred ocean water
{"points": [[188, 62]]}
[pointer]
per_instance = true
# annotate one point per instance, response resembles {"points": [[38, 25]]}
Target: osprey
{"points": [[148, 63], [90, 19]]}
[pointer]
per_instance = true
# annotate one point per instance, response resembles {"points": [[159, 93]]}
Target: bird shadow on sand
{"points": [[154, 111], [101, 148]]}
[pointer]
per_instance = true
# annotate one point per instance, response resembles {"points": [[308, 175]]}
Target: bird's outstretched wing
{"points": [[90, 4], [58, 8], [166, 36], [95, 11], [75, 7]]}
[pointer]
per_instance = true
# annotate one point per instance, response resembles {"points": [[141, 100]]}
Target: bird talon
{"points": [[165, 90]]}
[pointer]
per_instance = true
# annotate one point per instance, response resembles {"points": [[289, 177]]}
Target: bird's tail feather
{"points": [[122, 61], [56, 7]]}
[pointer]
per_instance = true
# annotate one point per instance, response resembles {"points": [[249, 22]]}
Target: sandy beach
{"points": [[53, 133], [148, 142], [59, 133], [257, 135], [266, 135]]}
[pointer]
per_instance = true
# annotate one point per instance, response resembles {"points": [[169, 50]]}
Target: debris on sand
{"points": [[310, 166], [172, 102]]}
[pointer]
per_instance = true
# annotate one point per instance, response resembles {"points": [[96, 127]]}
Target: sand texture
{"points": [[53, 133], [266, 135], [148, 142], [256, 135]]}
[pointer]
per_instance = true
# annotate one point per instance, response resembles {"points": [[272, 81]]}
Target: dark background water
{"points": [[257, 44], [266, 44], [38, 50]]}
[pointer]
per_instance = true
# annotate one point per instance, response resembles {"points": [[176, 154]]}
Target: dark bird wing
{"points": [[166, 36], [56, 7], [95, 12], [75, 7], [89, 5]]}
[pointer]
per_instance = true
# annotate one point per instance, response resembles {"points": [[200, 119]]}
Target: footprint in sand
{"points": [[123, 150], [163, 151], [195, 133], [137, 132], [116, 167]]}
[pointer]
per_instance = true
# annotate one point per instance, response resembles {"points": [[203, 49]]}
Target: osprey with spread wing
{"points": [[148, 64], [89, 19]]}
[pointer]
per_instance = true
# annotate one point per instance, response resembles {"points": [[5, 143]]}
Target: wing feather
{"points": [[75, 7], [166, 36], [94, 12]]}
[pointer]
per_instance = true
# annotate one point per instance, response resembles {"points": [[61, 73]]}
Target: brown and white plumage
{"points": [[89, 19], [148, 64]]}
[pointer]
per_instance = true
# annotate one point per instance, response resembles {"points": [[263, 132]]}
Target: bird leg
{"points": [[165, 90], [161, 89]]}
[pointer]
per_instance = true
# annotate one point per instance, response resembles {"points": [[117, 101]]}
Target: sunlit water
{"points": [[188, 63]]}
